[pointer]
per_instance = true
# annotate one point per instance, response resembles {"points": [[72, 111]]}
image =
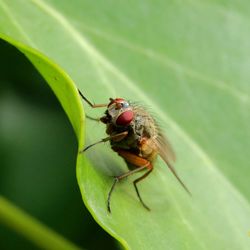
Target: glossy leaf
{"points": [[185, 61]]}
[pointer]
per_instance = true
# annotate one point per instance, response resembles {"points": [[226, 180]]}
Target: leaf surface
{"points": [[186, 62]]}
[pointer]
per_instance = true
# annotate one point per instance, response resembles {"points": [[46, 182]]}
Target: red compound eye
{"points": [[125, 118]]}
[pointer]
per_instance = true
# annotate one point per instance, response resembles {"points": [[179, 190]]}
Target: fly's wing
{"points": [[167, 154], [164, 145]]}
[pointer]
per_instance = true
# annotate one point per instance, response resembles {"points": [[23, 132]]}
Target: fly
{"points": [[135, 136]]}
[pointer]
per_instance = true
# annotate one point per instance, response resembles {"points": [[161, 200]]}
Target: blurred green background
{"points": [[38, 156]]}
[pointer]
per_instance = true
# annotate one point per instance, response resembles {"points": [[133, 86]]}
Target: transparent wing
{"points": [[166, 148], [167, 154]]}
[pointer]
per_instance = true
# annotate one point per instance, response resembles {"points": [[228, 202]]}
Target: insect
{"points": [[135, 136]]}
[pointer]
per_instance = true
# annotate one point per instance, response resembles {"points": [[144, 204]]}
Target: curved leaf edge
{"points": [[79, 130]]}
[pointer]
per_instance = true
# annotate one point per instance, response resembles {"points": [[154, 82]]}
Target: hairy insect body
{"points": [[140, 140]]}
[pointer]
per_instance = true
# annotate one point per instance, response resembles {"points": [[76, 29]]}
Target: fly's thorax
{"points": [[144, 124]]}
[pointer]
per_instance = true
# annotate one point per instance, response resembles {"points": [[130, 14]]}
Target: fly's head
{"points": [[120, 111]]}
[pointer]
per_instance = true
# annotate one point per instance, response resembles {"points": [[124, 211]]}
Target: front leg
{"points": [[93, 118], [90, 103], [104, 119]]}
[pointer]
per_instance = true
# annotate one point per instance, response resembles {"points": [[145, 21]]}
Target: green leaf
{"points": [[188, 62]]}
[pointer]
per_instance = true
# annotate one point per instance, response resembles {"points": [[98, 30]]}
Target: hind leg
{"points": [[136, 189], [138, 162]]}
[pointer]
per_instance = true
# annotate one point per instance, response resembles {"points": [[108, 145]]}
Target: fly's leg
{"points": [[119, 178], [102, 119], [93, 118], [136, 189], [90, 103], [137, 161], [117, 137]]}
